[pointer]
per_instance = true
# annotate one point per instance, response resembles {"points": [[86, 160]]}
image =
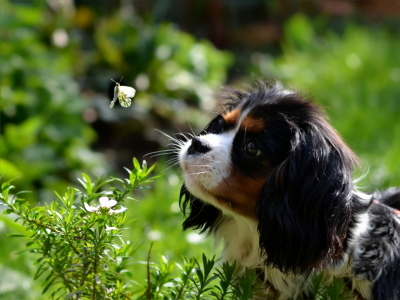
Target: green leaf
{"points": [[149, 170], [16, 235], [47, 246], [100, 184], [48, 285], [73, 293], [132, 178], [88, 183], [42, 268], [119, 180], [6, 187], [136, 164], [23, 192]]}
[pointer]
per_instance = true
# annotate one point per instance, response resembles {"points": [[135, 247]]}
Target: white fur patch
{"points": [[203, 172], [240, 237]]}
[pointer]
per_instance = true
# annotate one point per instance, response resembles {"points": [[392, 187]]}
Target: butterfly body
{"points": [[124, 94]]}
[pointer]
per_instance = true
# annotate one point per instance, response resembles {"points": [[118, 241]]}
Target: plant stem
{"points": [[94, 271], [148, 291]]}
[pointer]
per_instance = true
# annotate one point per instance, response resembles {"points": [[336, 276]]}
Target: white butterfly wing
{"points": [[128, 91], [125, 94]]}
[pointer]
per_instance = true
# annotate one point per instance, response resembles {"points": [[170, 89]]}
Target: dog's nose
{"points": [[198, 146]]}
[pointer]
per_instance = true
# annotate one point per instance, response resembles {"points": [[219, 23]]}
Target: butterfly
{"points": [[123, 93]]}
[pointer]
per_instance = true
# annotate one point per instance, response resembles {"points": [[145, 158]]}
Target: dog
{"points": [[272, 180]]}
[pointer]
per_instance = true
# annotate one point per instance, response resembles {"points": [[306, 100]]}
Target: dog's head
{"points": [[272, 157]]}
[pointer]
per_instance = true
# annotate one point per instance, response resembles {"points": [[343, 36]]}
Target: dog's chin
{"points": [[205, 194]]}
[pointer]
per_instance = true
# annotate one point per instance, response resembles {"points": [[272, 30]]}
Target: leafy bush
{"points": [[77, 242], [356, 75]]}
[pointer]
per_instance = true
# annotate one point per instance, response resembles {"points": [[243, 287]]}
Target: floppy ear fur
{"points": [[198, 215], [306, 203]]}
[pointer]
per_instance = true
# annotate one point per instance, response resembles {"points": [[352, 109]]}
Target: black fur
{"points": [[198, 215], [377, 257], [390, 197], [307, 202]]}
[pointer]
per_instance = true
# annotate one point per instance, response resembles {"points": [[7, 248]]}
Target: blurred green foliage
{"points": [[43, 136], [46, 51], [356, 77], [174, 75], [159, 60]]}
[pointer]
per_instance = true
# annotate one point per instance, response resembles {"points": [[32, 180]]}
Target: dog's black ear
{"points": [[306, 203], [198, 215]]}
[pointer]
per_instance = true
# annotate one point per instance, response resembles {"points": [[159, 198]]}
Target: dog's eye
{"points": [[216, 126], [252, 149]]}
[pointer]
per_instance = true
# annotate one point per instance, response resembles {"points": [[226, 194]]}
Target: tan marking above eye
{"points": [[250, 124], [232, 117]]}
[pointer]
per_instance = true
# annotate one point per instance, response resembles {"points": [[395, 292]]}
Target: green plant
{"points": [[198, 280], [82, 254]]}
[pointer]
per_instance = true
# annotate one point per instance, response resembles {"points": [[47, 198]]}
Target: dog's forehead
{"points": [[244, 120]]}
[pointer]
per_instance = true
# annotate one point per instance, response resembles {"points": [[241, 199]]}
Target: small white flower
{"points": [[111, 228], [117, 211], [90, 208], [106, 204]]}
